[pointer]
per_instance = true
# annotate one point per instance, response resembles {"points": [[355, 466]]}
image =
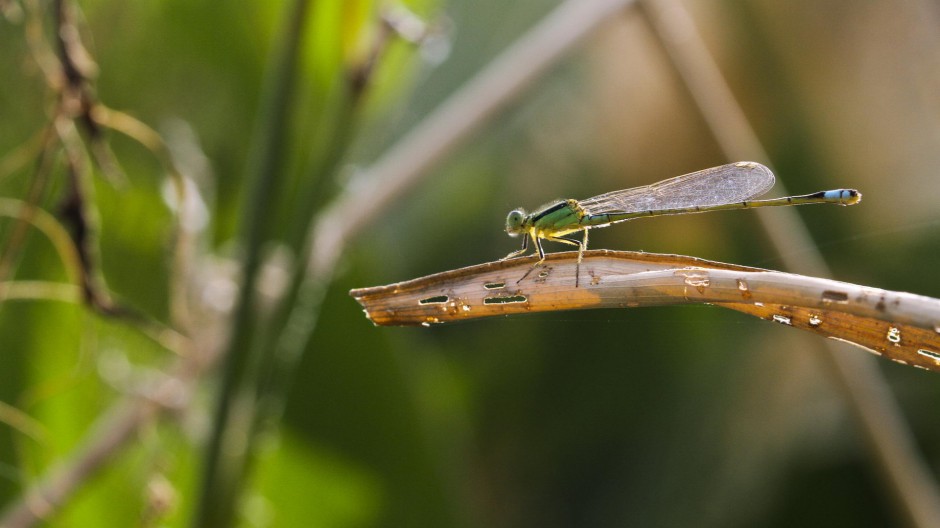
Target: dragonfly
{"points": [[731, 186]]}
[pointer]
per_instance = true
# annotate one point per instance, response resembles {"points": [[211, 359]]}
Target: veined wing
{"points": [[735, 182]]}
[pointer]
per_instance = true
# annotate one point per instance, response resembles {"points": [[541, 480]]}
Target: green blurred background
{"points": [[676, 416]]}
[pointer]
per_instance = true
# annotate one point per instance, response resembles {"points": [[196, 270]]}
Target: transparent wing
{"points": [[735, 182]]}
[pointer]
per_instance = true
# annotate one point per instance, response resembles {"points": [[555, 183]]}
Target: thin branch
{"points": [[75, 102], [78, 98], [75, 210], [890, 439]]}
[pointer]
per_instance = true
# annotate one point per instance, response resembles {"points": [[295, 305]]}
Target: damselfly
{"points": [[726, 187]]}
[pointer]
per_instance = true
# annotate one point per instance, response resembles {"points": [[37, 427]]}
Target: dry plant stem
{"points": [[914, 489], [75, 102], [76, 214], [898, 326], [78, 97], [78, 103]]}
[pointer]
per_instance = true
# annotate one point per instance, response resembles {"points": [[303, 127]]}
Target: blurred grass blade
{"points": [[231, 438], [899, 326]]}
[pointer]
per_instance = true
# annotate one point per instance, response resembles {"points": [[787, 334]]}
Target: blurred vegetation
{"points": [[684, 416]]}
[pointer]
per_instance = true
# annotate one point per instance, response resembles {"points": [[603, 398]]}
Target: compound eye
{"points": [[514, 221]]}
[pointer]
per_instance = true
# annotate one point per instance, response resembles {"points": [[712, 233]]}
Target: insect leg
{"points": [[538, 246], [581, 247], [525, 246]]}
